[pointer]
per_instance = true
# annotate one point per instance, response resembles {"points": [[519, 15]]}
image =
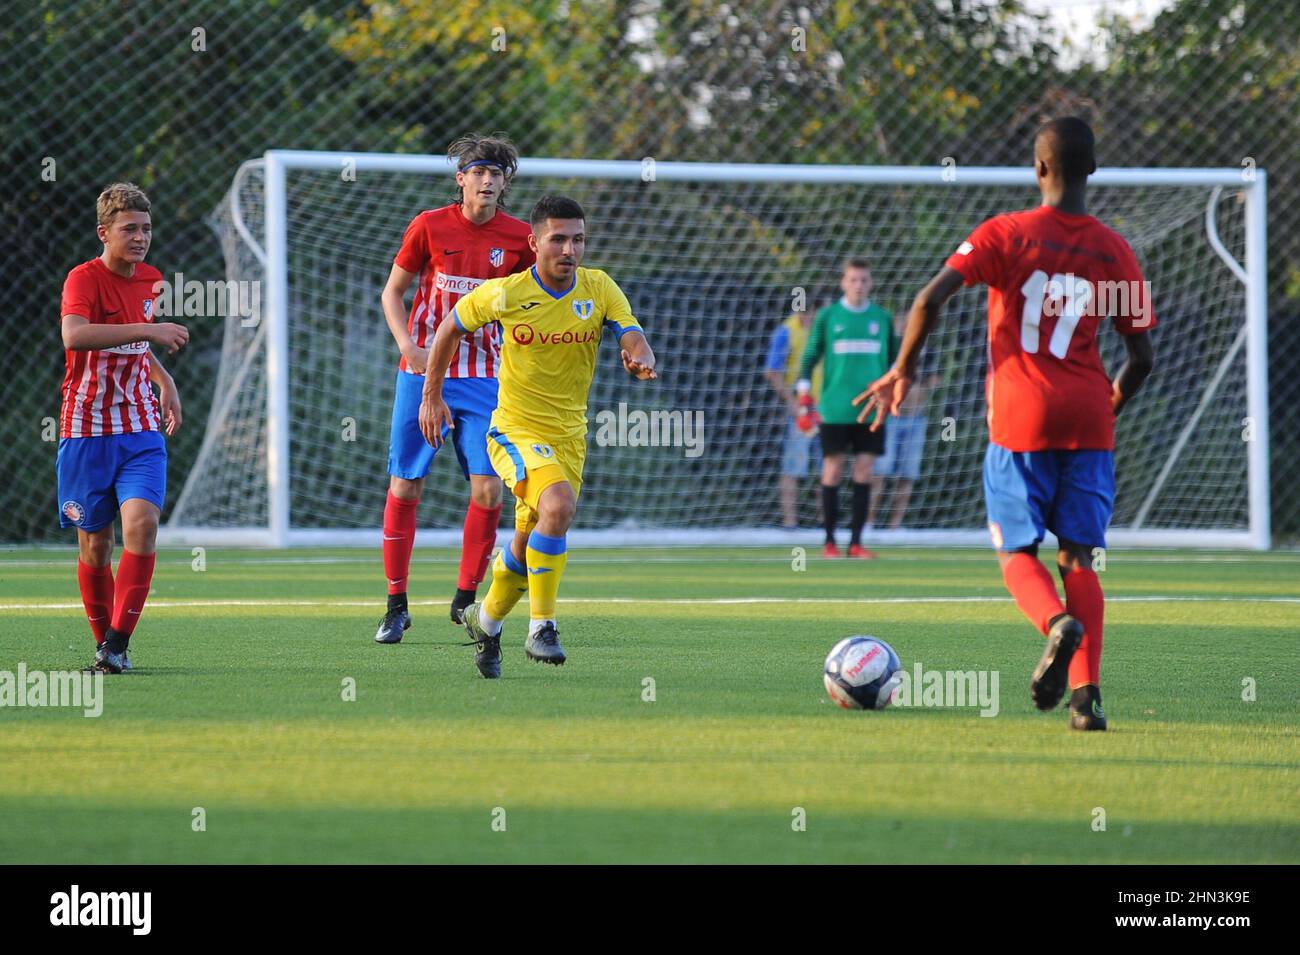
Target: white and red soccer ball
{"points": [[862, 673]]}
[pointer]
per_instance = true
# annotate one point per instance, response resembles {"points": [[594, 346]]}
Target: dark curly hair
{"points": [[555, 207], [495, 149]]}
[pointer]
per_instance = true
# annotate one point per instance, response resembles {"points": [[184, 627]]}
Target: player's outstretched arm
{"points": [[434, 412], [638, 357], [399, 280], [1140, 360], [80, 334], [887, 393], [169, 398]]}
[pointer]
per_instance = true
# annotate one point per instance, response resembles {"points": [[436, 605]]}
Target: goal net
{"points": [[713, 258]]}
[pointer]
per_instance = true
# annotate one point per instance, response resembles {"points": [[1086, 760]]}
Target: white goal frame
{"points": [[280, 532]]}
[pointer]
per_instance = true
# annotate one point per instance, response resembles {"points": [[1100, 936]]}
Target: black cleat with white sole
{"points": [[488, 655], [110, 657], [395, 623], [1053, 670]]}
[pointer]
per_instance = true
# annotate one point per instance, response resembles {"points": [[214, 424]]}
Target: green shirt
{"points": [[855, 349]]}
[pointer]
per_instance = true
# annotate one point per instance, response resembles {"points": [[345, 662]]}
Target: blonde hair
{"points": [[120, 197]]}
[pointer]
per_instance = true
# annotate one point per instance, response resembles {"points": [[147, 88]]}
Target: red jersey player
{"points": [[449, 252], [112, 456], [1053, 273]]}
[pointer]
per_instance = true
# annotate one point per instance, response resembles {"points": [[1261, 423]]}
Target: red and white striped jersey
{"points": [[453, 256], [108, 391]]}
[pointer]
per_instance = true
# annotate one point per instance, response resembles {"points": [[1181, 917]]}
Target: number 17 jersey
{"points": [[1052, 276]]}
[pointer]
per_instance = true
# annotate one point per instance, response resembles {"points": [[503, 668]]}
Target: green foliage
{"points": [[113, 92]]}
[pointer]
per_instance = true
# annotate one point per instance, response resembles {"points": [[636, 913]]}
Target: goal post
{"points": [[712, 256]]}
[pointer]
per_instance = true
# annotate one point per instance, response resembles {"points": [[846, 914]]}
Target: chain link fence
{"points": [[94, 91]]}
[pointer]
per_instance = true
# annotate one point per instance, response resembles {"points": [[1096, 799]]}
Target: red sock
{"points": [[476, 549], [1084, 600], [399, 540], [134, 572], [1031, 585], [96, 585]]}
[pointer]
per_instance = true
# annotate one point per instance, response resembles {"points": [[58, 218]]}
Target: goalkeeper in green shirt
{"points": [[853, 340]]}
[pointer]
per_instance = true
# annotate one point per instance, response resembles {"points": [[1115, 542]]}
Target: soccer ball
{"points": [[861, 673]]}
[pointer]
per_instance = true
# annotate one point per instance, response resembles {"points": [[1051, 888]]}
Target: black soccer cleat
{"points": [[459, 602], [109, 661], [543, 646], [488, 655], [391, 628], [1053, 670], [1085, 709]]}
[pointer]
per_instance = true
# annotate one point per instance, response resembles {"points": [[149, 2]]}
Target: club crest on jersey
{"points": [[74, 512], [496, 257], [148, 309], [543, 450], [583, 308], [873, 328]]}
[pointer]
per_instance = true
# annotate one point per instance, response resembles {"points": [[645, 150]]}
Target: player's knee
{"points": [[1006, 555], [405, 489], [96, 550], [1072, 557], [486, 493], [140, 532], [557, 508]]}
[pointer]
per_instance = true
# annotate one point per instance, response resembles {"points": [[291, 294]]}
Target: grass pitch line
{"points": [[708, 601], [888, 559]]}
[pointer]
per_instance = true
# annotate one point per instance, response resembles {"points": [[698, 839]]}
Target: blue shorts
{"points": [[97, 474], [904, 442], [471, 402], [1070, 493], [800, 450]]}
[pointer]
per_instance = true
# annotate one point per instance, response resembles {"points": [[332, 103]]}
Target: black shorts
{"points": [[857, 438]]}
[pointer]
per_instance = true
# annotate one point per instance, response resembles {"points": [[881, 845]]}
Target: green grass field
{"points": [[237, 707]]}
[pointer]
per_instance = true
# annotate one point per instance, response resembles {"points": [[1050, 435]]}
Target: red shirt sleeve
{"points": [[414, 253], [1139, 316], [78, 295], [979, 259]]}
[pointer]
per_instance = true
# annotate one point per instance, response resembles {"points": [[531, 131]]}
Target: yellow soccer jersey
{"points": [[548, 345]]}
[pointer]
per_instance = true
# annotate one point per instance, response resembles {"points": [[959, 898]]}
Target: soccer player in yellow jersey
{"points": [[551, 318]]}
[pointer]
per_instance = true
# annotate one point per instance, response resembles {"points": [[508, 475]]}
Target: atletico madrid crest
{"points": [[496, 257]]}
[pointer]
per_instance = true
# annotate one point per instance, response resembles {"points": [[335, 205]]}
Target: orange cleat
{"points": [[830, 551], [857, 550]]}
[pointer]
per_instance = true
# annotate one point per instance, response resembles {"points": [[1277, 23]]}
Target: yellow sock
{"points": [[546, 558], [509, 583]]}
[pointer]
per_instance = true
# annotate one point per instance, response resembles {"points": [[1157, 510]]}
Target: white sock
{"points": [[535, 625], [491, 625]]}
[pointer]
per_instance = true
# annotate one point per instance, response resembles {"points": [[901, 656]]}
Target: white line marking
{"points": [[592, 556], [718, 601]]}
